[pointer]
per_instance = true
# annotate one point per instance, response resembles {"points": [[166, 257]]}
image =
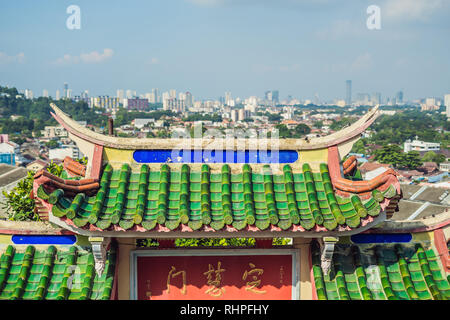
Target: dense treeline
{"points": [[25, 116], [408, 124], [203, 117], [390, 132]]}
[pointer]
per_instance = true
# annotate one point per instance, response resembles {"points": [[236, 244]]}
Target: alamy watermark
{"points": [[73, 22], [374, 20], [74, 280]]}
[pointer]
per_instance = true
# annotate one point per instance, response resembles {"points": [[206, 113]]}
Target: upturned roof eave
{"points": [[336, 138]]}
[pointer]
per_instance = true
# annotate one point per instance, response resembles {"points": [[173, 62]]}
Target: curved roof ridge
{"points": [[283, 144]]}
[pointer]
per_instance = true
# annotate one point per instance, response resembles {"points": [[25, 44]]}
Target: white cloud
{"points": [[19, 58], [411, 9], [152, 60], [91, 57]]}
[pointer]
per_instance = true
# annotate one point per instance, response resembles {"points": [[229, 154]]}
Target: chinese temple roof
{"points": [[380, 272], [182, 199], [54, 273], [122, 189]]}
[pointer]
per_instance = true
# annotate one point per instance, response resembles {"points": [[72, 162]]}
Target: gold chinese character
{"points": [[215, 290], [173, 274], [281, 274], [252, 285]]}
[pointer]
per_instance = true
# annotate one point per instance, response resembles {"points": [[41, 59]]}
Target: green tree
{"points": [[390, 154], [301, 130], [318, 124], [52, 144], [412, 160], [359, 147], [283, 131], [431, 156], [18, 203]]}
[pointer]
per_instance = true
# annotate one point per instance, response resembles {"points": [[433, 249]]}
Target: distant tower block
{"points": [[348, 97]]}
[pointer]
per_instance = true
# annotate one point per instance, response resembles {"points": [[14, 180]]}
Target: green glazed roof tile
{"points": [[48, 272], [148, 198], [396, 274]]}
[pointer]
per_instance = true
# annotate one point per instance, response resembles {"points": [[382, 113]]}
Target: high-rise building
{"points": [[137, 104], [28, 94], [348, 96], [234, 115], [447, 104], [57, 96], [45, 93], [174, 104], [188, 100], [228, 98], [155, 92], [275, 96], [376, 98], [399, 97], [363, 99], [150, 96], [106, 102], [120, 94], [173, 93], [129, 94], [66, 88]]}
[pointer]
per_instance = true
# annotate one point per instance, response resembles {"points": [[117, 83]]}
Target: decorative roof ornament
{"points": [[99, 250]]}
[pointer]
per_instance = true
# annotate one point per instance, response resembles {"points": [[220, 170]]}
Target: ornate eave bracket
{"points": [[327, 250], [99, 248]]}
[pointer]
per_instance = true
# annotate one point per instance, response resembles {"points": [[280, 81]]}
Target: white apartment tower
{"points": [[447, 104]]}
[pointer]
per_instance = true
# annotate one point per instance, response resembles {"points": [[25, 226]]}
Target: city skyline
{"points": [[301, 48]]}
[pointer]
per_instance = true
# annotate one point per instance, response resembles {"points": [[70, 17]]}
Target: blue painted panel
{"points": [[214, 156], [44, 239], [381, 238]]}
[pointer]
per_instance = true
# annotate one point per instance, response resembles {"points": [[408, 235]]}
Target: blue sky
{"points": [[300, 47]]}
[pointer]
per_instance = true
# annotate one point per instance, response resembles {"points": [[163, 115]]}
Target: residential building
{"points": [[36, 165], [174, 104], [140, 123], [50, 132], [444, 166], [447, 104], [120, 94], [137, 104], [106, 102], [28, 94], [189, 101], [417, 145], [8, 152], [65, 151]]}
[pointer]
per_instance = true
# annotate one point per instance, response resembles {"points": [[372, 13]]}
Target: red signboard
{"points": [[229, 277]]}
